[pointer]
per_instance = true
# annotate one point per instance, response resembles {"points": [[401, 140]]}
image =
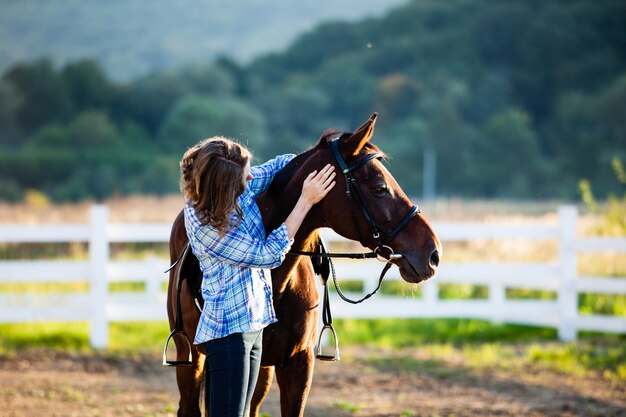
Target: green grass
{"points": [[64, 336], [463, 292], [605, 356], [606, 359], [412, 332], [140, 337], [480, 344], [606, 304], [526, 294], [347, 406]]}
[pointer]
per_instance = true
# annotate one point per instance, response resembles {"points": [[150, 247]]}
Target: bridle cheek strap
{"points": [[352, 185]]}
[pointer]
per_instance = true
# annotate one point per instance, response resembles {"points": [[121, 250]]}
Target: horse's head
{"points": [[367, 204]]}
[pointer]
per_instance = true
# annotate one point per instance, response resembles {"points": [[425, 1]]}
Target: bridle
{"points": [[353, 189], [383, 248]]}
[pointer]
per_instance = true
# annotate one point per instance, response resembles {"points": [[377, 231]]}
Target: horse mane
{"points": [[282, 178], [284, 175]]}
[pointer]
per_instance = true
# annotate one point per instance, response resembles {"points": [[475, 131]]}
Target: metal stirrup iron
{"points": [[178, 325], [327, 319]]}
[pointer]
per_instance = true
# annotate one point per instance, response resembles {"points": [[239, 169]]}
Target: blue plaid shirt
{"points": [[237, 291]]}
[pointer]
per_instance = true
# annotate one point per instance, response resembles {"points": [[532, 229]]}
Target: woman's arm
{"points": [[264, 174], [314, 188], [237, 247]]}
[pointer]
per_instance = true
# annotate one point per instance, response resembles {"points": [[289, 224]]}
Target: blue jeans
{"points": [[232, 366]]}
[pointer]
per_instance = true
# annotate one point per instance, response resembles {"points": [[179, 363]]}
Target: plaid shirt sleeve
{"points": [[264, 174], [237, 247]]}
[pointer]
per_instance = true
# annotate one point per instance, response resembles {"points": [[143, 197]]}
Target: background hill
{"points": [[133, 37], [519, 99]]}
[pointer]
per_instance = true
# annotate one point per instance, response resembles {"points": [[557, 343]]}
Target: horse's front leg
{"points": [[189, 379], [263, 384], [294, 380]]}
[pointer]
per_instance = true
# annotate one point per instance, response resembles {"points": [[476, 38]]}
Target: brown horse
{"points": [[368, 207]]}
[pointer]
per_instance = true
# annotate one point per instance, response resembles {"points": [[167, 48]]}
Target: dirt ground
{"points": [[50, 383]]}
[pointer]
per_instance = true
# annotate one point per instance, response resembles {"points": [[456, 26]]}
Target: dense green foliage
{"points": [[517, 99]]}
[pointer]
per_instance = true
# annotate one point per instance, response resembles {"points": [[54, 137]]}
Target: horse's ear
{"points": [[355, 142]]}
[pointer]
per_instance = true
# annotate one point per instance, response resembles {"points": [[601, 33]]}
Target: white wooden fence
{"points": [[99, 306]]}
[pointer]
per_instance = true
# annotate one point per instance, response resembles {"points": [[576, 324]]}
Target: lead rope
{"points": [[342, 295]]}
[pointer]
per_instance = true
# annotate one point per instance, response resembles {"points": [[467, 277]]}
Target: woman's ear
{"points": [[352, 145]]}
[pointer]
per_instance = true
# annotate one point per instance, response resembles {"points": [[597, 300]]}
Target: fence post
{"points": [[99, 284], [568, 260], [497, 298], [154, 279], [430, 292]]}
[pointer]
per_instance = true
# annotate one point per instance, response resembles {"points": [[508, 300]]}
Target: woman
{"points": [[226, 234]]}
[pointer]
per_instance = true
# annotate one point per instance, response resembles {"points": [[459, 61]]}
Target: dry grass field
{"points": [[37, 209]]}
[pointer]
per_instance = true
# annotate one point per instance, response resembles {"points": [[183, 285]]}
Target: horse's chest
{"points": [[295, 331]]}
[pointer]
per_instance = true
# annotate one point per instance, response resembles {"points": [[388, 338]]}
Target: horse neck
{"points": [[274, 212]]}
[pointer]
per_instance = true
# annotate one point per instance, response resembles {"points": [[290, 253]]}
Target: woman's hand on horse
{"points": [[318, 184]]}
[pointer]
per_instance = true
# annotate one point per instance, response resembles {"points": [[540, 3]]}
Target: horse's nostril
{"points": [[434, 258]]}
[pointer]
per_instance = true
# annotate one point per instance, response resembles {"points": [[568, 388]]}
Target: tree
{"points": [[93, 130], [396, 96], [87, 84], [148, 100], [350, 88], [194, 118], [9, 103], [295, 115], [44, 96], [507, 155]]}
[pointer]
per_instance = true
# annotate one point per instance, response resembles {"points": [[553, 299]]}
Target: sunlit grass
{"points": [[139, 337], [411, 332], [604, 304], [65, 336], [400, 289], [605, 358], [420, 345], [463, 292], [527, 294], [440, 347], [346, 285]]}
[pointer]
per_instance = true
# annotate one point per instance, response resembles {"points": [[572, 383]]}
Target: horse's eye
{"points": [[379, 189]]}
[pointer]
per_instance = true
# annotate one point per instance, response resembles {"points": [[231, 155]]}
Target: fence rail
{"points": [[99, 306]]}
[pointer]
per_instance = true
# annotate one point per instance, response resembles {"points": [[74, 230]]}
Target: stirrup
{"points": [[167, 362], [320, 355]]}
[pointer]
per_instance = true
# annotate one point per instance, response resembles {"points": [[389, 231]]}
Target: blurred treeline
{"points": [[518, 99]]}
